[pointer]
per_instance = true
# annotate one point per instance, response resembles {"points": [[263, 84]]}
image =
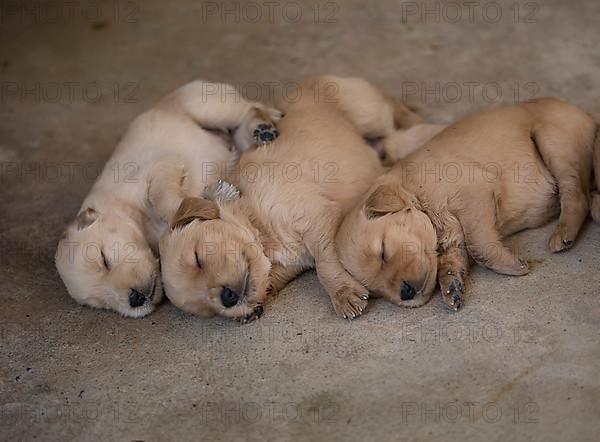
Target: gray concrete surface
{"points": [[520, 362]]}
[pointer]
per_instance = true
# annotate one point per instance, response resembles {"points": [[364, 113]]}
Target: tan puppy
{"points": [[222, 256], [107, 257], [478, 181]]}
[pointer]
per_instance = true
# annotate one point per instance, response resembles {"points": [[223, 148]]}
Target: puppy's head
{"points": [[105, 262], [208, 260], [389, 245]]}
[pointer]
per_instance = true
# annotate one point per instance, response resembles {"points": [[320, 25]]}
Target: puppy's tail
{"points": [[595, 203]]}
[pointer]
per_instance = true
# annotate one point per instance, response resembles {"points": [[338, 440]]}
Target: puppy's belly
{"points": [[527, 200]]}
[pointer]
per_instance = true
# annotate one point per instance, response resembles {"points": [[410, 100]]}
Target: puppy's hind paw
{"points": [[265, 133]]}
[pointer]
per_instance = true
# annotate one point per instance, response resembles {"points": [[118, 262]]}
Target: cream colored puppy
{"points": [[107, 256], [222, 256]]}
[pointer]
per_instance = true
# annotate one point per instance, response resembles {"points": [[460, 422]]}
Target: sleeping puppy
{"points": [[107, 256], [478, 181], [223, 254]]}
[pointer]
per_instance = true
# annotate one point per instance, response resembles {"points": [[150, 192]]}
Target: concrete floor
{"points": [[520, 362]]}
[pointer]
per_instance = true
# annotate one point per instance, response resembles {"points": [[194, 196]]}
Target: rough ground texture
{"points": [[520, 362]]}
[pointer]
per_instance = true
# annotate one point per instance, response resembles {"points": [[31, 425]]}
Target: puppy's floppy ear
{"points": [[86, 218], [194, 208], [384, 199]]}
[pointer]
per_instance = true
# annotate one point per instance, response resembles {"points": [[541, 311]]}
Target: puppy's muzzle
{"points": [[136, 298], [229, 298], [407, 291], [139, 296]]}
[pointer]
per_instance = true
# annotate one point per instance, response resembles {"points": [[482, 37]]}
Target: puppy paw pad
{"points": [[453, 295], [265, 133], [455, 286]]}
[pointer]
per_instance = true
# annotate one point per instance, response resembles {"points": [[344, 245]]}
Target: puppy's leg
{"points": [[453, 259], [259, 279], [567, 155], [373, 114], [483, 239], [453, 265], [281, 275], [220, 106], [349, 298], [166, 189]]}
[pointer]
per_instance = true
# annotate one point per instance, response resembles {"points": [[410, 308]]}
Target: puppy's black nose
{"points": [[136, 298], [407, 291], [229, 298]]}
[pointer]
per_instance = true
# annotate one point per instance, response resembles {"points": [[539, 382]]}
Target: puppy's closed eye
{"points": [[105, 261], [383, 257]]}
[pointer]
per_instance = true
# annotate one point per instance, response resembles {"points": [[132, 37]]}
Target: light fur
{"points": [[171, 151], [294, 194]]}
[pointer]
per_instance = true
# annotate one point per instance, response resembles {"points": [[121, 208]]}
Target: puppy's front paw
{"points": [[264, 133], [256, 313], [452, 293], [350, 301]]}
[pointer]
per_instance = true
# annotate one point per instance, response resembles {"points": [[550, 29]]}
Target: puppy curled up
{"points": [[478, 181], [108, 256]]}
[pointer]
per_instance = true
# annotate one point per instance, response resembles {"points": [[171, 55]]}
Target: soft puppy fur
{"points": [[223, 256], [476, 182], [107, 256]]}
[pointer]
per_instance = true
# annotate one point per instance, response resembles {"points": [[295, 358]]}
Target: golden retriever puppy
{"points": [[479, 180], [223, 254], [107, 256]]}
